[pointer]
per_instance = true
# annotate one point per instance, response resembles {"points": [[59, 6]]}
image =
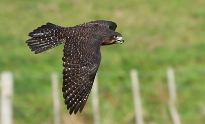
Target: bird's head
{"points": [[106, 31], [112, 37]]}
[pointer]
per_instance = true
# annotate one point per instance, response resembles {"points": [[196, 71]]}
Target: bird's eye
{"points": [[114, 36]]}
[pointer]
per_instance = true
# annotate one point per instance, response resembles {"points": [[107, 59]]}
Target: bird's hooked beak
{"points": [[115, 39], [118, 39]]}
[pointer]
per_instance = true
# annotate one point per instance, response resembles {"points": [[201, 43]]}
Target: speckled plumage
{"points": [[81, 55]]}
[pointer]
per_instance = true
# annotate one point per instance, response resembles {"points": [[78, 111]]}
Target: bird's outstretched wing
{"points": [[81, 61]]}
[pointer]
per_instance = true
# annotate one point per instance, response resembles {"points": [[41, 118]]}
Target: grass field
{"points": [[158, 34]]}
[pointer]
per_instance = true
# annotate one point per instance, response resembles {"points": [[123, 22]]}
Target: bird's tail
{"points": [[46, 37]]}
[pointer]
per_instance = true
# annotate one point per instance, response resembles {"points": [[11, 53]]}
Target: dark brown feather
{"points": [[46, 37], [81, 62]]}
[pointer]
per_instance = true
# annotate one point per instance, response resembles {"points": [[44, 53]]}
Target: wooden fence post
{"points": [[136, 97], [172, 96], [203, 111], [95, 102], [6, 98], [56, 101]]}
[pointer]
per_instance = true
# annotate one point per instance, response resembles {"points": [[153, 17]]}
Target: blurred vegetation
{"points": [[158, 34]]}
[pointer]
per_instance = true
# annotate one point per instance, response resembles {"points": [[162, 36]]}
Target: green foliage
{"points": [[158, 34]]}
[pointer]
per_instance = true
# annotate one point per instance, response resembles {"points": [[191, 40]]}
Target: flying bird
{"points": [[81, 57]]}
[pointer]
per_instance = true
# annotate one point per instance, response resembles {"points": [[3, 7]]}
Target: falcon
{"points": [[81, 57]]}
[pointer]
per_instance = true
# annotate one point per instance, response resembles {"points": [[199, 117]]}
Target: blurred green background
{"points": [[157, 34]]}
